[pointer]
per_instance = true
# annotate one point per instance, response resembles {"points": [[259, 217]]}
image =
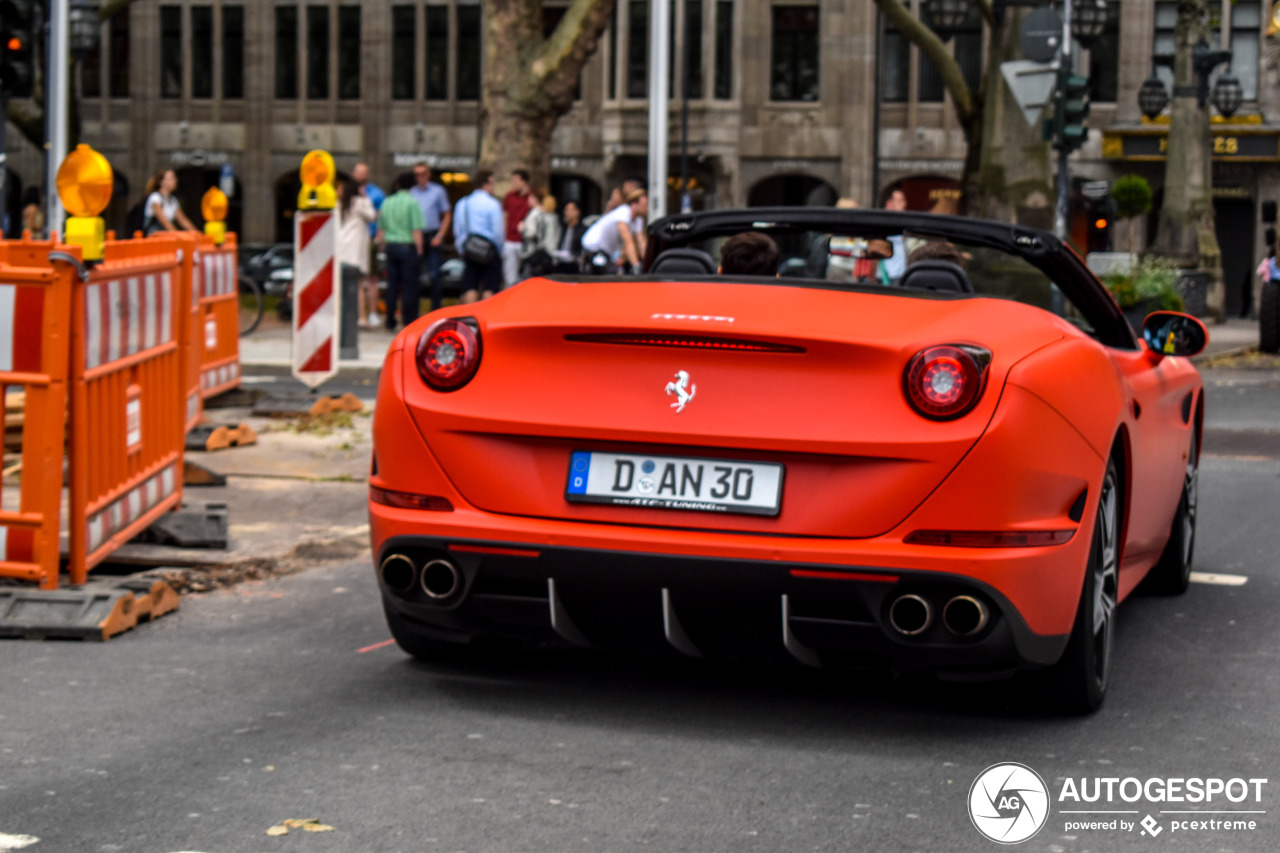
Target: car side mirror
{"points": [[1172, 333]]}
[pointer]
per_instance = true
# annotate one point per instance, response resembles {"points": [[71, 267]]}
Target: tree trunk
{"points": [[1010, 178], [1186, 223], [529, 81]]}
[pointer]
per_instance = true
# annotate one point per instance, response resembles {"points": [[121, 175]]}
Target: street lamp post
{"points": [[73, 30]]}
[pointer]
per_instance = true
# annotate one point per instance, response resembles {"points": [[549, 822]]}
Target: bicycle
{"points": [[252, 304]]}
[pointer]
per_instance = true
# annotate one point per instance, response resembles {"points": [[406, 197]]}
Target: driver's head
{"points": [[749, 253]]}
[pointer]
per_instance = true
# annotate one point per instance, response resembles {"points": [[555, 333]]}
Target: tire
{"points": [[1079, 680], [1172, 574], [422, 647], [1269, 317], [251, 305]]}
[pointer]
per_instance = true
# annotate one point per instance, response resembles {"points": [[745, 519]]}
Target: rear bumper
{"points": [[758, 609]]}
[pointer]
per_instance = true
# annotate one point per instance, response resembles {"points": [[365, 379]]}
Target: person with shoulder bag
{"points": [[478, 232]]}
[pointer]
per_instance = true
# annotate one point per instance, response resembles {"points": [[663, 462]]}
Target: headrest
{"points": [[940, 276], [684, 261]]}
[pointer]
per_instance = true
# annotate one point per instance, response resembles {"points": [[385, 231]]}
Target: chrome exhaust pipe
{"points": [[398, 572], [441, 579], [965, 616], [910, 615]]}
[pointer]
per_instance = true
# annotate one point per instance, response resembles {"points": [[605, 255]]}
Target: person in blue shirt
{"points": [[369, 286], [434, 202], [480, 214]]}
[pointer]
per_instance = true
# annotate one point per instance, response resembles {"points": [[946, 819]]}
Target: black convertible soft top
{"points": [[1039, 248]]}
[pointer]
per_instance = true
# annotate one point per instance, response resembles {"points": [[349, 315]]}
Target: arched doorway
{"points": [[288, 185], [797, 190], [194, 181], [928, 193], [579, 189]]}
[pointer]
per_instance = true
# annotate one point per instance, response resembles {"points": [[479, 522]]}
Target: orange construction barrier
{"points": [[127, 398], [191, 338], [35, 297], [216, 276]]}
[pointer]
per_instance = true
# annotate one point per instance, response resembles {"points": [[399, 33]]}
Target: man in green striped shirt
{"points": [[400, 227]]}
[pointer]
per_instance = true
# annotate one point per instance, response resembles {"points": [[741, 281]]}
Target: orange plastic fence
{"points": [[127, 402], [190, 320], [35, 298], [218, 286]]}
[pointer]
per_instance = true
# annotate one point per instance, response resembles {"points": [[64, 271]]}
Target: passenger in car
{"points": [[749, 253]]}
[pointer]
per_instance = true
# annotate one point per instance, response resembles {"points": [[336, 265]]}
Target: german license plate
{"points": [[675, 482]]}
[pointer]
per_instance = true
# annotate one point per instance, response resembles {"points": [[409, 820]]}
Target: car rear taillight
{"points": [[944, 382], [448, 354]]}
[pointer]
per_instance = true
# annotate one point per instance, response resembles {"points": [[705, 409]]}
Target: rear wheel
{"points": [[422, 647], [1269, 317], [1080, 679], [1172, 574]]}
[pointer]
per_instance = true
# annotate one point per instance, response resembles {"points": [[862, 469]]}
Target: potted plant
{"points": [[1132, 195], [1150, 286]]}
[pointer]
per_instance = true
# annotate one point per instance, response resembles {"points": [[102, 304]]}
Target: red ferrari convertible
{"points": [[928, 443]]}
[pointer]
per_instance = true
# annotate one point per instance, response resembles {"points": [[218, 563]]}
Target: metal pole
{"points": [[686, 199], [1064, 174], [659, 85], [57, 93], [4, 169]]}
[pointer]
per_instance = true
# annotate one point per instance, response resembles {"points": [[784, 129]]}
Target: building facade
{"points": [[789, 102]]}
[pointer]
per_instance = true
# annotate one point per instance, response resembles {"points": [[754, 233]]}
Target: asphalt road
{"points": [[279, 700]]}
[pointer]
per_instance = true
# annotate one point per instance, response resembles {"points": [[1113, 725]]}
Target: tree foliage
{"points": [[1132, 195]]}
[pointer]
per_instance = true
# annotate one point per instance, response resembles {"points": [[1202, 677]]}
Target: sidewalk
{"points": [[271, 345], [1234, 335]]}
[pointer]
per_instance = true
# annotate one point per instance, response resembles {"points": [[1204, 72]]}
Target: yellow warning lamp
{"points": [[85, 181], [213, 207], [317, 174]]}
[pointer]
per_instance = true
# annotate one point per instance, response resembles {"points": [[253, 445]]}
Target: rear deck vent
{"points": [[684, 341]]}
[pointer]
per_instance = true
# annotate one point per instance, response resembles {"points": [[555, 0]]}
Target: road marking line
{"points": [[383, 644], [16, 842], [1220, 580]]}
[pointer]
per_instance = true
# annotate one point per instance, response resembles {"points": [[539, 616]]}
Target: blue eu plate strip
{"points": [[579, 469]]}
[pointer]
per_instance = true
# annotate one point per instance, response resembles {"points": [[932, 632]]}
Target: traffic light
{"points": [[17, 56], [1074, 94]]}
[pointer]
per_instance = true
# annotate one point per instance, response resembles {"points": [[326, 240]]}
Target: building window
{"points": [[91, 73], [613, 53], [233, 52], [469, 46], [403, 39], [438, 53], [202, 51], [895, 65], [724, 50], [693, 46], [120, 56], [968, 50], [1246, 20], [1165, 42], [349, 53], [1104, 59], [638, 49], [794, 69], [171, 51], [287, 52], [317, 52]]}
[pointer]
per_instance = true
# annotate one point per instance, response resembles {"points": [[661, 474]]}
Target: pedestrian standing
{"points": [[400, 229], [32, 213], [478, 233], [162, 212], [369, 285], [892, 267], [436, 215], [355, 215], [541, 233], [570, 248], [516, 205]]}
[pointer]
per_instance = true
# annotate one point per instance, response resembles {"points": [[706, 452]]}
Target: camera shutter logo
{"points": [[1009, 803]]}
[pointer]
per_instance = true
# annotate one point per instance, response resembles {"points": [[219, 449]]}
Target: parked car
{"points": [[263, 267], [964, 473]]}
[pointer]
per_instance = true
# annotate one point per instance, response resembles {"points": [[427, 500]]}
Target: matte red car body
{"points": [[863, 469]]}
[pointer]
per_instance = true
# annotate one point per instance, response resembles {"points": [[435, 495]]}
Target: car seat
{"points": [[939, 276], [683, 262]]}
